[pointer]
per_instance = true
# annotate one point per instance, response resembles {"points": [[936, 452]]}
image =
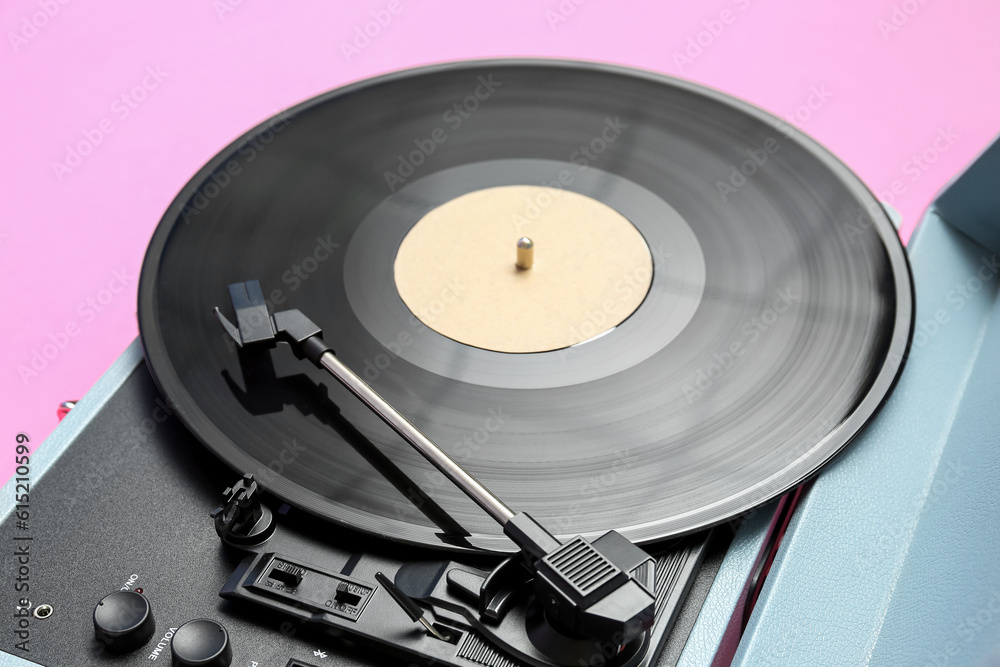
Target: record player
{"points": [[529, 363]]}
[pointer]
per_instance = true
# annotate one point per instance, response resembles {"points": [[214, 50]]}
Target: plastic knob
{"points": [[123, 621], [202, 642]]}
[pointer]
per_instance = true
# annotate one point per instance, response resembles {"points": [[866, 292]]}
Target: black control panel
{"points": [[127, 569]]}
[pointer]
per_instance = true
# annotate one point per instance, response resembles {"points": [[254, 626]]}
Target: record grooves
{"points": [[770, 335]]}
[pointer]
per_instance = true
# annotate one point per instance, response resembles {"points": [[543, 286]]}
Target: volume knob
{"points": [[123, 621], [202, 643]]}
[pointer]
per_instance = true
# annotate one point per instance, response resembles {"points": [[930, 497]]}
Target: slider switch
{"points": [[123, 621]]}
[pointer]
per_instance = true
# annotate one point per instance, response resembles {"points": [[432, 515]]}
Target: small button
{"points": [[202, 642], [123, 621]]}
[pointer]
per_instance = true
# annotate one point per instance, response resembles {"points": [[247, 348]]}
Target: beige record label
{"points": [[457, 269]]}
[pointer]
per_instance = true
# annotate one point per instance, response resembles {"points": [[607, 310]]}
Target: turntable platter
{"points": [[772, 328]]}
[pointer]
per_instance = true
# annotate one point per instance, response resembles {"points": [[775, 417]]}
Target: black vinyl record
{"points": [[779, 314]]}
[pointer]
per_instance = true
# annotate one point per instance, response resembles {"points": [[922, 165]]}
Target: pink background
{"points": [[888, 92]]}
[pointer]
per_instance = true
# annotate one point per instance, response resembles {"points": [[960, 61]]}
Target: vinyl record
{"points": [[776, 320]]}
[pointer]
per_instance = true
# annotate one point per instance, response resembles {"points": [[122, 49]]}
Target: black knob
{"points": [[123, 621], [201, 642]]}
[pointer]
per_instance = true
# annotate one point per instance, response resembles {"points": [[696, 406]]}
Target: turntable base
{"points": [[146, 527], [121, 493]]}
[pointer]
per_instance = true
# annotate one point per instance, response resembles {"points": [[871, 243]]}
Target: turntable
{"points": [[522, 363]]}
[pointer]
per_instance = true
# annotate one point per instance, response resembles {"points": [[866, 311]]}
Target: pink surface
{"points": [[887, 81]]}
